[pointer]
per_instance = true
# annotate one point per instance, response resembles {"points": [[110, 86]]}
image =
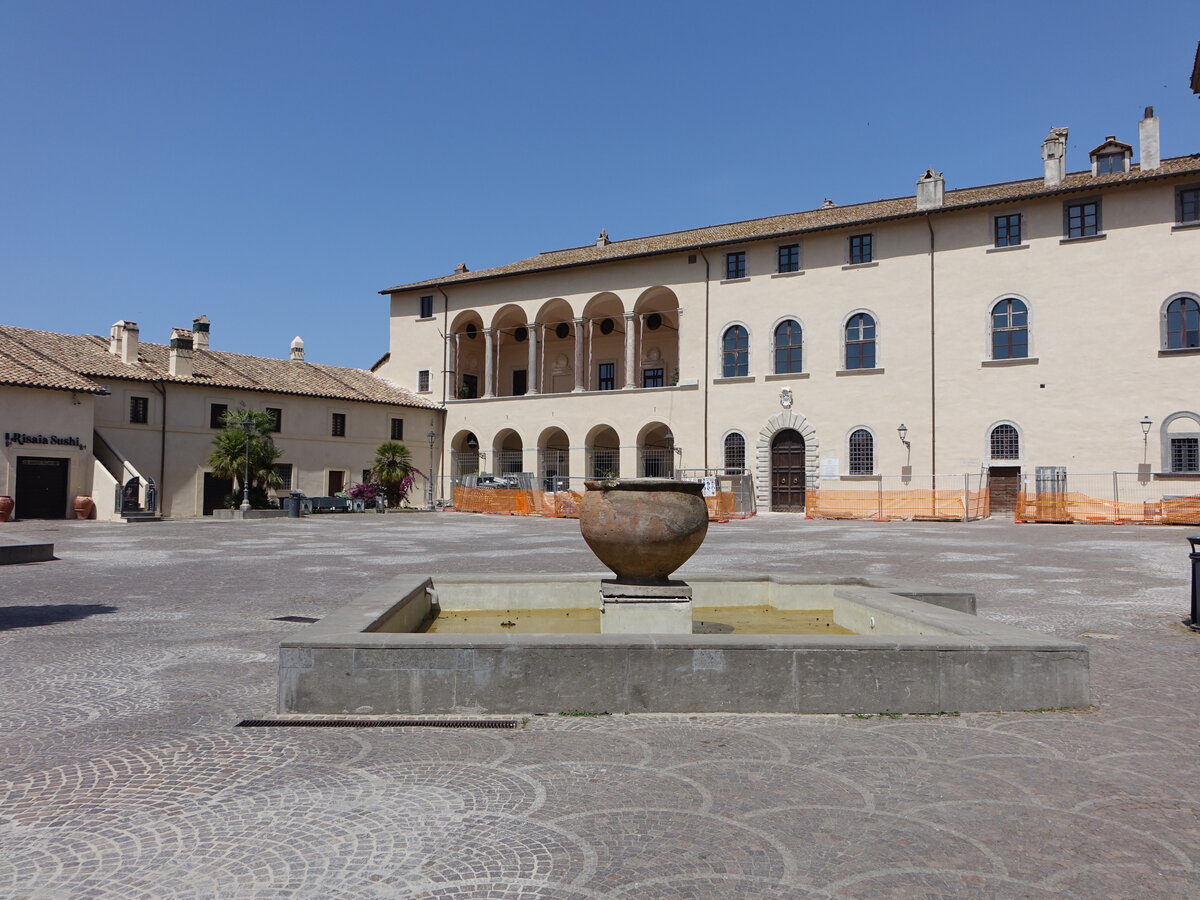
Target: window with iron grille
{"points": [[139, 410], [423, 381], [862, 452], [427, 307], [1010, 329], [1185, 454], [276, 418], [789, 258], [860, 249], [1187, 203], [284, 471], [1008, 230], [216, 412], [788, 347], [1082, 219], [1005, 442], [652, 377], [397, 429], [1183, 324], [735, 352], [338, 425], [735, 451], [606, 377], [735, 265], [860, 342]]}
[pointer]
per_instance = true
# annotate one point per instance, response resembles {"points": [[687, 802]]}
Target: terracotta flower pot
{"points": [[6, 508], [84, 506], [643, 528]]}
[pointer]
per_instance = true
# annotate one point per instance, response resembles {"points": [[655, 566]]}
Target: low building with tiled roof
{"points": [[1010, 326], [82, 413]]}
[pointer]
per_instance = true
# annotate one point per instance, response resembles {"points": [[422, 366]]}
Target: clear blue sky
{"points": [[274, 164]]}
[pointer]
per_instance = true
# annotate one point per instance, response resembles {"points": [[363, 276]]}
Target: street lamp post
{"points": [[1145, 423], [432, 435], [247, 423]]}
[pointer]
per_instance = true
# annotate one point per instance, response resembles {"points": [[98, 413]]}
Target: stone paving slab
{"points": [[125, 664]]}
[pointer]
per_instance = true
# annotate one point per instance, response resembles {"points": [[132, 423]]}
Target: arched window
{"points": [[1010, 329], [862, 452], [860, 342], [735, 352], [1005, 442], [788, 347], [1183, 324], [735, 452]]}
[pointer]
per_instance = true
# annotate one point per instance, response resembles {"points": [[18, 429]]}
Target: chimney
{"points": [[297, 349], [123, 341], [461, 269], [931, 190], [828, 204], [200, 332], [180, 365], [602, 240], [1054, 153], [1148, 142]]}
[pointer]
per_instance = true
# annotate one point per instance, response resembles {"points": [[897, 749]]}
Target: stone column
{"points": [[489, 365], [452, 366], [580, 371], [631, 320], [531, 381], [678, 349]]}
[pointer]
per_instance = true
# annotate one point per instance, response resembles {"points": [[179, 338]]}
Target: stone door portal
{"points": [[787, 471]]}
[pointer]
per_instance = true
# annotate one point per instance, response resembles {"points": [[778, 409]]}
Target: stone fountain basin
{"points": [[916, 649]]}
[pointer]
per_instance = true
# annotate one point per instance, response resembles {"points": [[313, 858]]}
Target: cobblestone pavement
{"points": [[125, 664]]}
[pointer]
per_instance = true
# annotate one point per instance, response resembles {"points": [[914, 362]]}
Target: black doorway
{"points": [[215, 491], [41, 488]]}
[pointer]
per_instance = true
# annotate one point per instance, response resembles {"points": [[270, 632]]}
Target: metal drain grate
{"points": [[308, 620], [377, 723]]}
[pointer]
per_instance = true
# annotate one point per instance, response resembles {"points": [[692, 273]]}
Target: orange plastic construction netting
{"points": [[1076, 507], [950, 505], [563, 504]]}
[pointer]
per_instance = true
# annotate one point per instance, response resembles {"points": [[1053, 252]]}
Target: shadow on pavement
{"points": [[12, 617]]}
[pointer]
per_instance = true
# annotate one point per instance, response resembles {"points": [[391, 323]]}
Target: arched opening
{"points": [[511, 334], [1004, 471], [556, 368], [1010, 329], [605, 343], [1181, 443], [554, 460], [508, 453], [656, 451], [467, 356], [603, 453], [735, 453], [464, 457], [787, 471], [656, 338]]}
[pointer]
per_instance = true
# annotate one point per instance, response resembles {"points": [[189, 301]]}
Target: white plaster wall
{"points": [[40, 411]]}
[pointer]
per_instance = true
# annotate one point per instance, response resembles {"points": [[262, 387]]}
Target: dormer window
{"points": [[1111, 157]]}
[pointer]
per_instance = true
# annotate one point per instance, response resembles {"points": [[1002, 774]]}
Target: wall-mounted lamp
{"points": [[902, 430], [1145, 423]]}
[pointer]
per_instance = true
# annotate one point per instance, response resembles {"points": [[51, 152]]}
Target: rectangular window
{"points": [[139, 410], [789, 258], [284, 470], [1188, 204], [1082, 219], [860, 249], [606, 377], [427, 307], [652, 378], [215, 412], [470, 387], [423, 381], [276, 418], [520, 382], [338, 426], [735, 265], [366, 479], [1008, 230], [397, 429], [1185, 454]]}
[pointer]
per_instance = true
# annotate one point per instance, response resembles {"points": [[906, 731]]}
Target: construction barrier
{"points": [[562, 504], [496, 502], [875, 499], [1108, 498]]}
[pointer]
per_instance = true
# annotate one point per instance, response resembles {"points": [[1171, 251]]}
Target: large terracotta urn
{"points": [[643, 528], [84, 506], [6, 508]]}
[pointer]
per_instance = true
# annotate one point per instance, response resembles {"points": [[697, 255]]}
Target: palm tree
{"points": [[228, 457], [393, 468]]}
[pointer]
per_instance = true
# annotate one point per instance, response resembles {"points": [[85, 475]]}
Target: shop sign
{"points": [[53, 440]]}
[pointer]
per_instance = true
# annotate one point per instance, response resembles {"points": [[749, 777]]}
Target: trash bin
{"points": [[294, 504]]}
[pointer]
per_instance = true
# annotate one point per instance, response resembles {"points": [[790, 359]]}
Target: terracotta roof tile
{"points": [[81, 362], [811, 220]]}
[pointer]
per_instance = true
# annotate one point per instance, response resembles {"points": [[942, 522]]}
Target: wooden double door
{"points": [[787, 471]]}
